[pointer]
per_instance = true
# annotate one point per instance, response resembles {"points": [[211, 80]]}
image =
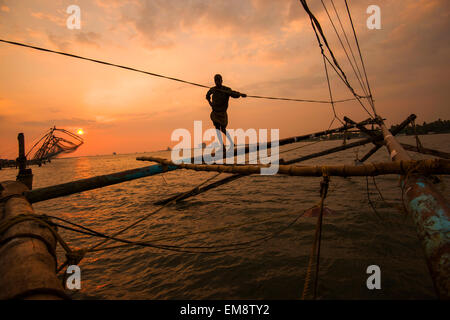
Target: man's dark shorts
{"points": [[219, 119]]}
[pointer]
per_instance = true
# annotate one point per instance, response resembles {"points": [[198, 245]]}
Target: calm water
{"points": [[353, 239]]}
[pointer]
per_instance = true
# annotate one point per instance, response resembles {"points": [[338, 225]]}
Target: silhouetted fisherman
{"points": [[219, 104]]}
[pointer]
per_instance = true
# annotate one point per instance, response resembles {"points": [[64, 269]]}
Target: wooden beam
{"points": [[378, 143], [437, 166], [27, 258]]}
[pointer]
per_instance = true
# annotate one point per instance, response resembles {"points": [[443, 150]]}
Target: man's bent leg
{"points": [[224, 130], [219, 133]]}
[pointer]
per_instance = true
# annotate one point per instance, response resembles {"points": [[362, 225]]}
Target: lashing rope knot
{"points": [[324, 186], [74, 257]]}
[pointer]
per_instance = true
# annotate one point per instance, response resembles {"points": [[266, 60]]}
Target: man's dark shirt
{"points": [[220, 97]]}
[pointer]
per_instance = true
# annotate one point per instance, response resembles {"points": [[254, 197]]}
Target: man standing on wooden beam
{"points": [[219, 104]]}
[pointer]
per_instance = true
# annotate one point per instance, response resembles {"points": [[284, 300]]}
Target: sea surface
{"points": [[244, 210]]}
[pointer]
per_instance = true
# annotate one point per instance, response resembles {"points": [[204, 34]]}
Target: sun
{"points": [[80, 132]]}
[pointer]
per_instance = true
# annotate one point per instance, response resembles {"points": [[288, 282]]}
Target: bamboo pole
{"points": [[333, 150], [27, 258], [429, 166], [405, 146], [292, 161], [247, 148], [316, 155], [431, 214], [72, 187], [373, 139]]}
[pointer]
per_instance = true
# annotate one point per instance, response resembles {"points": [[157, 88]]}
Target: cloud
{"points": [[60, 123], [59, 41], [90, 38], [159, 21], [288, 85], [60, 21], [64, 42]]}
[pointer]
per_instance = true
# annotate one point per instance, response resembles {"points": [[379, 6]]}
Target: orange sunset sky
{"points": [[261, 47]]}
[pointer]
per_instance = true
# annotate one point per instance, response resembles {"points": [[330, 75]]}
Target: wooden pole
{"points": [[333, 150], [431, 166], [428, 151], [25, 175], [69, 188], [27, 251], [247, 148], [350, 123], [377, 146], [81, 185]]}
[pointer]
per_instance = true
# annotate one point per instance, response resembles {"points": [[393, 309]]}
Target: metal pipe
{"points": [[431, 214]]}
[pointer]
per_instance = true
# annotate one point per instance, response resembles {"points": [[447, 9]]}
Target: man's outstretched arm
{"points": [[236, 94]]}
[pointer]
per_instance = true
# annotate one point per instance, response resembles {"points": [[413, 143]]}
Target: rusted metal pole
{"points": [[27, 251], [431, 214]]}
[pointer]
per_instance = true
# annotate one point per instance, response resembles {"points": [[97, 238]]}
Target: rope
{"points": [[150, 214], [73, 256], [370, 201], [331, 94], [371, 101], [300, 100], [335, 65], [418, 142], [173, 247], [315, 250], [343, 47], [185, 235], [156, 74]]}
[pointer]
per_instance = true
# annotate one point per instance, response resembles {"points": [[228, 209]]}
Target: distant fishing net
{"points": [[54, 143]]}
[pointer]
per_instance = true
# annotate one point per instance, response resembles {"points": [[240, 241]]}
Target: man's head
{"points": [[218, 80]]}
